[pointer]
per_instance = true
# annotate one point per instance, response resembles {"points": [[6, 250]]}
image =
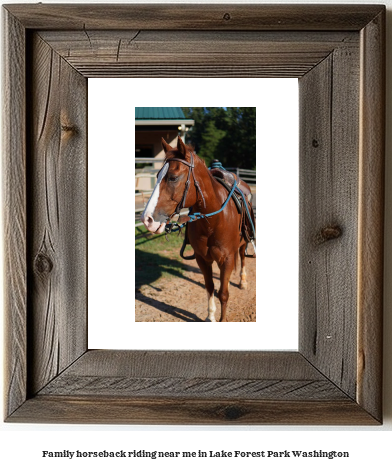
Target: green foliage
{"points": [[227, 134], [157, 242], [211, 140]]}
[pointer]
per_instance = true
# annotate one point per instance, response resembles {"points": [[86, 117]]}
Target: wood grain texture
{"points": [[207, 364], [57, 215], [329, 142], [189, 387], [194, 53], [203, 374], [371, 216], [194, 17], [119, 410], [14, 202]]}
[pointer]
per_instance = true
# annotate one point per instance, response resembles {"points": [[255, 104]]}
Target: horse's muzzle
{"points": [[151, 225]]}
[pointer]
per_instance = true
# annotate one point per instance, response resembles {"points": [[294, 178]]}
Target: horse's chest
{"points": [[212, 246]]}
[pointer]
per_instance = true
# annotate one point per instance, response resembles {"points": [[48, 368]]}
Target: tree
{"points": [[227, 134]]}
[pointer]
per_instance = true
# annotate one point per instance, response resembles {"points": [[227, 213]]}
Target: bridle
{"points": [[191, 167]]}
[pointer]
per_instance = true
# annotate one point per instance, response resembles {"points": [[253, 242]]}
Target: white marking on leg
{"points": [[243, 283], [254, 247], [211, 307]]}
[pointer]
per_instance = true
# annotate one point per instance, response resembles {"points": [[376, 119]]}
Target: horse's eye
{"points": [[173, 179]]}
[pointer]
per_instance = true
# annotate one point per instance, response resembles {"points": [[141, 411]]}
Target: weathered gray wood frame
{"points": [[337, 52]]}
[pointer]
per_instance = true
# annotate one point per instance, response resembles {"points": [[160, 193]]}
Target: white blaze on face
{"points": [[148, 213]]}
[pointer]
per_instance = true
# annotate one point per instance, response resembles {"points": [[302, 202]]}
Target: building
{"points": [[151, 124]]}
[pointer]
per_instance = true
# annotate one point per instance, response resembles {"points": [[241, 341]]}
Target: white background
{"points": [[111, 211], [21, 445]]}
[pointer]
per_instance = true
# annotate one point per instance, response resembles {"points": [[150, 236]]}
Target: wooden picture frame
{"points": [[337, 52]]}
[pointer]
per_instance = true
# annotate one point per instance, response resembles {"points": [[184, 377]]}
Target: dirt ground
{"points": [[185, 300]]}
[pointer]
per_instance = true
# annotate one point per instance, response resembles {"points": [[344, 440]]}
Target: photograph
{"points": [[195, 207]]}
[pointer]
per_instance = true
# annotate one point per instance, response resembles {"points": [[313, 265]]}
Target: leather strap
{"points": [[191, 167]]}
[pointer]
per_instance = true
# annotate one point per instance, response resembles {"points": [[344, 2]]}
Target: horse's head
{"points": [[167, 196]]}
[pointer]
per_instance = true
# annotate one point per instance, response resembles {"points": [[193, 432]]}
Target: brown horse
{"points": [[185, 181]]}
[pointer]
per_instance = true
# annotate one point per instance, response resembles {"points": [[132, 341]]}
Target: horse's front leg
{"points": [[206, 269], [225, 272]]}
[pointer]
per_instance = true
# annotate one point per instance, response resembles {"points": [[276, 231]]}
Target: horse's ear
{"points": [[166, 146], [181, 147]]}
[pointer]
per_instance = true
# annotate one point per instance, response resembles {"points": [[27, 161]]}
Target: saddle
{"points": [[230, 178], [245, 209], [227, 179]]}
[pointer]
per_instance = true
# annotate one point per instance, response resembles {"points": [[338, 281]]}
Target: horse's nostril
{"points": [[149, 220]]}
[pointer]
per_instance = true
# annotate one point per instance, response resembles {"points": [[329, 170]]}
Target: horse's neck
{"points": [[210, 189]]}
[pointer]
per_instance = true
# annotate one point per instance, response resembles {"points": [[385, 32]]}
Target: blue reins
{"points": [[175, 226]]}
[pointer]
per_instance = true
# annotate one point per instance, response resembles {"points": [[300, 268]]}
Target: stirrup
{"points": [[184, 244], [189, 257]]}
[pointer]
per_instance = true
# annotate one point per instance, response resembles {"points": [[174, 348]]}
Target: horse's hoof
{"points": [[243, 285]]}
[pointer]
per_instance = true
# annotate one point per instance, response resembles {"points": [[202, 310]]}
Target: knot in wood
{"points": [[232, 412], [68, 128], [227, 16], [315, 143], [43, 264], [328, 233]]}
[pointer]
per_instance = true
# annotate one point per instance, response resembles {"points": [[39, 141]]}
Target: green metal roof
{"points": [[159, 113]]}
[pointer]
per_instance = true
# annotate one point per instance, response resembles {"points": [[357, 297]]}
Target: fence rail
{"points": [[249, 176], [149, 160], [142, 195]]}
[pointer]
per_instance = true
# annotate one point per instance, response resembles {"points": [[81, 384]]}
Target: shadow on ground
{"points": [[175, 311], [149, 270]]}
